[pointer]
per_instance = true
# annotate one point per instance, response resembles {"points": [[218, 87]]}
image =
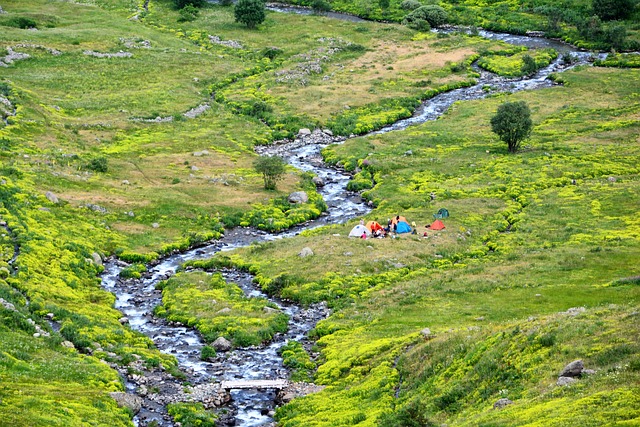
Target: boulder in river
{"points": [[97, 259], [304, 132], [319, 182], [298, 197], [126, 400], [222, 344]]}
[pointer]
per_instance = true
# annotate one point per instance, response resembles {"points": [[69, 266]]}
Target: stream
{"points": [[137, 298]]}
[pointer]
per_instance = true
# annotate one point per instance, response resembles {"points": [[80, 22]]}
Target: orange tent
{"points": [[400, 219], [437, 225], [373, 226]]}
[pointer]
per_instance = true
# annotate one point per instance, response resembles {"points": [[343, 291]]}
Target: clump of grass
{"points": [[217, 308]]}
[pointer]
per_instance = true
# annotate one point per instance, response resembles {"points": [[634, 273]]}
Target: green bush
{"points": [[207, 353], [98, 164], [188, 13], [529, 65], [436, 15], [295, 357], [320, 6], [250, 12], [181, 4], [191, 414], [512, 123], [21, 22], [271, 52], [425, 17], [272, 170], [410, 4], [609, 10], [416, 20], [132, 272]]}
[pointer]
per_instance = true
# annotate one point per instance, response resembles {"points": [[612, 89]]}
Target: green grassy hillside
{"points": [[137, 174]]}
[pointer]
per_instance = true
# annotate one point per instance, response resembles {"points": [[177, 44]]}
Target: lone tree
{"points": [[250, 12], [272, 170], [512, 123]]}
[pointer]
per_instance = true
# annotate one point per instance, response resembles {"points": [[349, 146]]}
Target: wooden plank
{"points": [[253, 384]]}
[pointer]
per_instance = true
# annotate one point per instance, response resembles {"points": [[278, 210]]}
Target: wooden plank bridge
{"points": [[253, 384]]}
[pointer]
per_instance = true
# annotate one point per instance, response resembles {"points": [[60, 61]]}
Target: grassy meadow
{"points": [[531, 235]]}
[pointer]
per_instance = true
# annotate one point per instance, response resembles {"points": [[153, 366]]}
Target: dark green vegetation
{"points": [[137, 174], [250, 12], [601, 24], [216, 308], [272, 170], [512, 123]]}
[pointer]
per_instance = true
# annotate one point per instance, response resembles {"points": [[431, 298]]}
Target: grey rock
{"points": [[155, 225], [126, 400], [426, 333], [501, 403], [67, 344], [298, 197], [201, 153], [224, 311], [574, 311], [612, 179], [97, 259], [305, 252], [123, 320], [270, 310], [304, 131], [573, 369], [125, 182], [587, 372], [51, 197], [222, 344], [319, 182], [197, 111], [565, 381]]}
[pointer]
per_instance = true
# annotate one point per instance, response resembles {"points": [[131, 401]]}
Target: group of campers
{"points": [[395, 225]]}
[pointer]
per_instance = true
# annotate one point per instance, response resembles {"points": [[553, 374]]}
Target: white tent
{"points": [[358, 230]]}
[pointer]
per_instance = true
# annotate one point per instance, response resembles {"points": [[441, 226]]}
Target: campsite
{"points": [[156, 271]]}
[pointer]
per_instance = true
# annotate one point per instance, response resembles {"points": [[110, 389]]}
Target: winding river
{"points": [[136, 299]]}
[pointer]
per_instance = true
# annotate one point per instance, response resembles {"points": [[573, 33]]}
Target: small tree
{"points": [[425, 17], [272, 170], [384, 4], [512, 123], [250, 12], [529, 65]]}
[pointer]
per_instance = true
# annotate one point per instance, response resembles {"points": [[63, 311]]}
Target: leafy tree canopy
{"points": [[272, 170], [250, 12], [512, 123]]}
